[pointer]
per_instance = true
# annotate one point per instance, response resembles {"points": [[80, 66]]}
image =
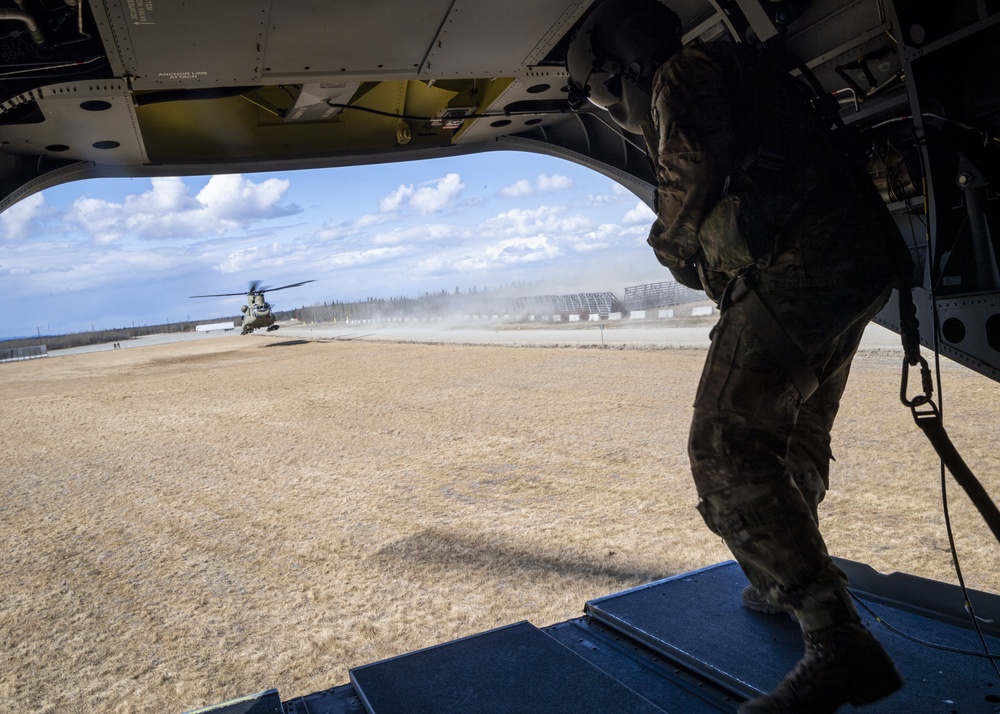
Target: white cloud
{"points": [[306, 259], [543, 184], [415, 234], [544, 219], [168, 195], [518, 189], [102, 220], [370, 219], [556, 182], [168, 210], [522, 250], [616, 194], [394, 201], [347, 229], [235, 198], [238, 261], [470, 264], [640, 230], [355, 258], [477, 255], [17, 220], [235, 255], [50, 268], [605, 231], [500, 254], [432, 264], [589, 247], [433, 199], [605, 236], [640, 214], [426, 199]]}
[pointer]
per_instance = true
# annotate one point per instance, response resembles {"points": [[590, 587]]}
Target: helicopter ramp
{"points": [[684, 644]]}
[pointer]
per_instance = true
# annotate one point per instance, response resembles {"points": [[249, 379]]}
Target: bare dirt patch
{"points": [[187, 523]]}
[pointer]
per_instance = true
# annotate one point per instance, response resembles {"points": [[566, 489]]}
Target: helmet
{"points": [[613, 55]]}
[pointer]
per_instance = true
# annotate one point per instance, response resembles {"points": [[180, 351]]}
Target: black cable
{"points": [[927, 643], [46, 70], [944, 498], [493, 115], [456, 117], [987, 137], [628, 141]]}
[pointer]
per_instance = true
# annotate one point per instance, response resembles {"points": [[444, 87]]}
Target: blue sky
{"points": [[115, 252]]}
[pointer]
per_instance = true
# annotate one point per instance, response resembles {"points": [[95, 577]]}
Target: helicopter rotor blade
{"points": [[255, 288], [293, 285]]}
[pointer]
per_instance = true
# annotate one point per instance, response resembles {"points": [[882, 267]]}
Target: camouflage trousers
{"points": [[760, 455]]}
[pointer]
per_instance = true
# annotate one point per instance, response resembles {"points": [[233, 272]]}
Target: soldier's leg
{"points": [[741, 443], [743, 419], [807, 461], [809, 453], [745, 414]]}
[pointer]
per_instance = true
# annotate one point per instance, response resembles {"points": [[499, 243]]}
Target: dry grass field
{"points": [[187, 523]]}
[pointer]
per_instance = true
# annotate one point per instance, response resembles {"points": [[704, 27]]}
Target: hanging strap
{"points": [[927, 415], [928, 418], [909, 327]]}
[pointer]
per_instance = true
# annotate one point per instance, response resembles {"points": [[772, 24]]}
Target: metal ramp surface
{"points": [[515, 669], [683, 645], [696, 619]]}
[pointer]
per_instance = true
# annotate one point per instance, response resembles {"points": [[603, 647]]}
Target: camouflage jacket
{"points": [[748, 178]]}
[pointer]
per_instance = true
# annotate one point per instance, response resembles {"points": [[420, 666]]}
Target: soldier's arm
{"points": [[687, 276], [691, 140]]}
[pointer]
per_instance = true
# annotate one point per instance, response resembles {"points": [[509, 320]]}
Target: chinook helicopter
{"points": [[257, 312]]}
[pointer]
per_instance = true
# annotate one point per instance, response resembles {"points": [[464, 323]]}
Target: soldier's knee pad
{"points": [[740, 512]]}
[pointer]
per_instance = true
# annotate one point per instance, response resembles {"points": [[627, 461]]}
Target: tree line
{"points": [[99, 337], [443, 303]]}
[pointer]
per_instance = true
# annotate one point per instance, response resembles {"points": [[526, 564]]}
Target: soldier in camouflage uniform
{"points": [[755, 205]]}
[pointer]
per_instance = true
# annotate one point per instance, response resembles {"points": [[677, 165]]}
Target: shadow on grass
{"points": [[460, 552], [286, 343]]}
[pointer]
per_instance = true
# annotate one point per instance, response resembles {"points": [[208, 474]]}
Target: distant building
{"points": [[14, 354], [212, 327], [665, 294], [601, 304]]}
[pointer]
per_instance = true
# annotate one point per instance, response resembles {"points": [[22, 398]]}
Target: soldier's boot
{"points": [[843, 664], [754, 600]]}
